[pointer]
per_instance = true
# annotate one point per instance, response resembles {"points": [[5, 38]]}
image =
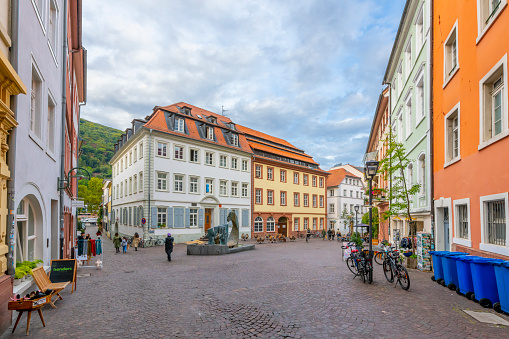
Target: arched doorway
{"points": [[282, 226]]}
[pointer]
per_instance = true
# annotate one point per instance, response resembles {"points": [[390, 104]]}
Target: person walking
{"points": [[168, 245], [332, 234], [308, 234], [116, 243], [323, 234], [136, 241], [124, 245]]}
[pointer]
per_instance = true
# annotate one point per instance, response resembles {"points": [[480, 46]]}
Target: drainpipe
{"points": [[11, 155], [432, 186], [62, 141], [149, 212], [390, 136]]}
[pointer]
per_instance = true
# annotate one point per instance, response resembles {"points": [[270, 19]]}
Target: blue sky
{"points": [[309, 72]]}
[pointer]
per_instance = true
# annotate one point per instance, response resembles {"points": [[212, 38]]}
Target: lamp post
{"points": [[370, 169], [356, 208]]}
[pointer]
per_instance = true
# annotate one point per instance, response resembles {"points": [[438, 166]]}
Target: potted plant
{"points": [[19, 276], [411, 261], [38, 262], [356, 238]]}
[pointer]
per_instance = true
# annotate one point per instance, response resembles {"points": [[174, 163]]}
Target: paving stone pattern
{"points": [[286, 290]]}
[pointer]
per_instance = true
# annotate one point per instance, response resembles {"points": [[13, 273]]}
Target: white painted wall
{"points": [[339, 199]]}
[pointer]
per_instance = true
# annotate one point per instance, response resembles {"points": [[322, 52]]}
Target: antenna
{"points": [[223, 110]]}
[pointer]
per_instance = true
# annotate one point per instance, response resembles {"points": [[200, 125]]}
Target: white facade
{"points": [[344, 197], [181, 194], [38, 135]]}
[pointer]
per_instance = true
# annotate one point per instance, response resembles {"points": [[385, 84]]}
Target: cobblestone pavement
{"points": [[293, 290]]}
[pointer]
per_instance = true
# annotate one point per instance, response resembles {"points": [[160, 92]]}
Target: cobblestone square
{"points": [[283, 290]]}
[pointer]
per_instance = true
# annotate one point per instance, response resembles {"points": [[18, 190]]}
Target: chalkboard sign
{"points": [[63, 270]]}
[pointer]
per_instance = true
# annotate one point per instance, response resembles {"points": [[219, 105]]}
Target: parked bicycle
{"points": [[154, 242], [394, 269], [359, 263], [380, 256]]}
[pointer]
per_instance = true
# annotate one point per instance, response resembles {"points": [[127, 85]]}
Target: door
{"points": [[446, 229], [208, 219], [282, 226]]}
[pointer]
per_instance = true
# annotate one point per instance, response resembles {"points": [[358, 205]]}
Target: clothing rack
{"points": [[86, 249]]}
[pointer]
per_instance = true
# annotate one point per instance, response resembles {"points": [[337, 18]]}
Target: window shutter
{"points": [[200, 217], [169, 217], [245, 217], [223, 215], [135, 209], [154, 217], [179, 217], [188, 217]]}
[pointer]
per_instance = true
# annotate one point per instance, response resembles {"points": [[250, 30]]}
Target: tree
{"points": [[393, 167], [375, 221], [349, 218], [91, 193]]}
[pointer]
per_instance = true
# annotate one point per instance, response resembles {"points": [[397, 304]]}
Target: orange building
{"points": [[470, 126], [379, 131]]}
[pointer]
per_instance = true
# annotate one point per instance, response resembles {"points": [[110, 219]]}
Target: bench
{"points": [[43, 282]]}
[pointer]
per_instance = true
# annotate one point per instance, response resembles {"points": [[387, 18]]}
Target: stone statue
{"points": [[217, 235], [233, 239]]}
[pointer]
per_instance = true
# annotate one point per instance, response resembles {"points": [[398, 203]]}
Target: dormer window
{"points": [[231, 125], [179, 125], [209, 132], [212, 119], [235, 140], [186, 110]]}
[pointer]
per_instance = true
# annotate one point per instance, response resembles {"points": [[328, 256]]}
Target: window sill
{"points": [[453, 161], [448, 78], [482, 33], [493, 140], [179, 192], [161, 156], [463, 242], [211, 165], [36, 139], [418, 122], [176, 159], [406, 139], [53, 54], [502, 250], [51, 155]]}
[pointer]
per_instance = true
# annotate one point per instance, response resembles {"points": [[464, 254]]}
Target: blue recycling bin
{"points": [[502, 275], [438, 271], [449, 267], [484, 280], [465, 285]]}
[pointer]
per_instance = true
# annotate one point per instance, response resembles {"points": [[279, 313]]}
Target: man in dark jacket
{"points": [[168, 245]]}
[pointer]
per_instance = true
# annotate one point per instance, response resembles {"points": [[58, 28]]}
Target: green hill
{"points": [[97, 147]]}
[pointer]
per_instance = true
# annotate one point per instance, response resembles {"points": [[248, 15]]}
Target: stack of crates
{"points": [[423, 248]]}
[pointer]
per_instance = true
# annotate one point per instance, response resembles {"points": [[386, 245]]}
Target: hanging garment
{"points": [[98, 247], [80, 246], [93, 247], [89, 248], [85, 247]]}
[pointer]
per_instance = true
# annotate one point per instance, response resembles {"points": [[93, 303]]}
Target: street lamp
{"points": [[356, 208], [370, 169]]}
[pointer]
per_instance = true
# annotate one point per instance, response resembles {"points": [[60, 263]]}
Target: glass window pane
{"points": [[31, 221], [31, 250]]}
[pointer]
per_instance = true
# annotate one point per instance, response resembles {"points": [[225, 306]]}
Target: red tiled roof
{"points": [[337, 176], [261, 135], [278, 151]]}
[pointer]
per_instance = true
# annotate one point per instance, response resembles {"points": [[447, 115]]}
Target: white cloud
{"points": [[306, 71]]}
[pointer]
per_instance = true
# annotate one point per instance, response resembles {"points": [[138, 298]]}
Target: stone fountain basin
{"points": [[195, 249]]}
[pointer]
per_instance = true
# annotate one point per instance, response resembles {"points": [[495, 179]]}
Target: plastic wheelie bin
{"points": [[438, 271], [465, 284], [483, 278], [502, 275], [449, 267]]}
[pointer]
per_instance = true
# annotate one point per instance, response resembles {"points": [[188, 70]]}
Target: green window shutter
{"points": [[169, 217], [201, 217]]}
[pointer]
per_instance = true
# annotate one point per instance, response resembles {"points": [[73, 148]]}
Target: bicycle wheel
{"points": [[160, 242], [369, 269], [379, 258], [388, 271], [362, 273], [351, 265], [403, 278]]}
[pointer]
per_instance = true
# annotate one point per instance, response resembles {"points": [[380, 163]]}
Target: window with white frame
{"points": [[223, 161], [314, 223], [161, 149], [313, 181], [282, 174], [161, 216], [223, 187], [270, 197], [162, 181], [296, 199], [305, 179], [36, 103], [130, 185], [408, 114], [235, 139], [314, 200], [451, 54], [321, 201], [408, 57], [118, 191], [488, 12], [235, 163], [210, 132], [209, 186], [419, 96], [321, 182], [495, 221], [283, 198], [209, 158], [270, 173], [331, 192], [178, 152], [121, 189], [179, 125], [130, 158], [135, 154], [422, 173], [235, 189], [419, 30], [400, 127], [125, 161], [295, 177], [258, 196], [193, 217], [410, 175], [245, 165], [125, 188], [51, 125], [296, 224], [271, 224], [135, 184], [493, 104], [331, 208], [258, 171], [29, 242], [193, 185], [258, 224], [141, 150], [400, 78], [193, 155], [306, 223], [178, 181], [245, 190], [39, 5], [452, 135], [141, 182], [344, 193], [321, 223], [462, 229], [306, 200]]}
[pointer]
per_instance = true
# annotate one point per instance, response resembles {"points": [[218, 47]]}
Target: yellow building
{"points": [[289, 188], [10, 85]]}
